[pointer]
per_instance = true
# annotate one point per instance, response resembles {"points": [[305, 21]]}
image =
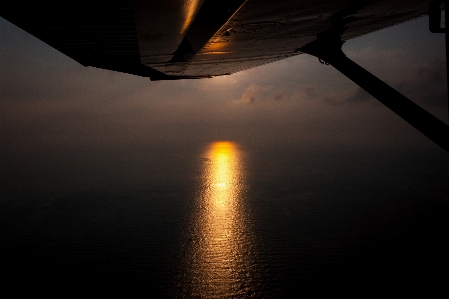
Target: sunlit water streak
{"points": [[219, 258]]}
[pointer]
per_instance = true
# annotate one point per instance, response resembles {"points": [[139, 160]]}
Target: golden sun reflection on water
{"points": [[219, 254]]}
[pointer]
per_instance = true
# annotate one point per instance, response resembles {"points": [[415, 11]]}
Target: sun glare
{"points": [[190, 9], [219, 257]]}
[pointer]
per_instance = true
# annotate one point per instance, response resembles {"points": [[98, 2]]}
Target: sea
{"points": [[225, 219]]}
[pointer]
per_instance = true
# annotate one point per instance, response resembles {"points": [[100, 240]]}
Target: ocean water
{"points": [[225, 220]]}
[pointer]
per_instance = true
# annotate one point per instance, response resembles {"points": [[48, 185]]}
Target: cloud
{"points": [[350, 96], [427, 84], [278, 97], [278, 94], [359, 96], [253, 93]]}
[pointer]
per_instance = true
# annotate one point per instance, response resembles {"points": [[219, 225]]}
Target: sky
{"points": [[50, 102]]}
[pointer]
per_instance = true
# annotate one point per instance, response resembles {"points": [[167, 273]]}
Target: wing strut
{"points": [[435, 27], [328, 48]]}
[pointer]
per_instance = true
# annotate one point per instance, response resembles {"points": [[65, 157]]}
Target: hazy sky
{"points": [[48, 101]]}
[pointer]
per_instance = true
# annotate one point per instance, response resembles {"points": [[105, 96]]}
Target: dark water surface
{"points": [[224, 220]]}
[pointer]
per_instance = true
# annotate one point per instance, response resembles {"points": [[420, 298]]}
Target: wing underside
{"points": [[175, 39]]}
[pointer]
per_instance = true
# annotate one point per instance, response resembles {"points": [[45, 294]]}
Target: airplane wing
{"points": [[173, 39]]}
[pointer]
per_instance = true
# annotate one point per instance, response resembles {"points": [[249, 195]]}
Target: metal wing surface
{"points": [[173, 39]]}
